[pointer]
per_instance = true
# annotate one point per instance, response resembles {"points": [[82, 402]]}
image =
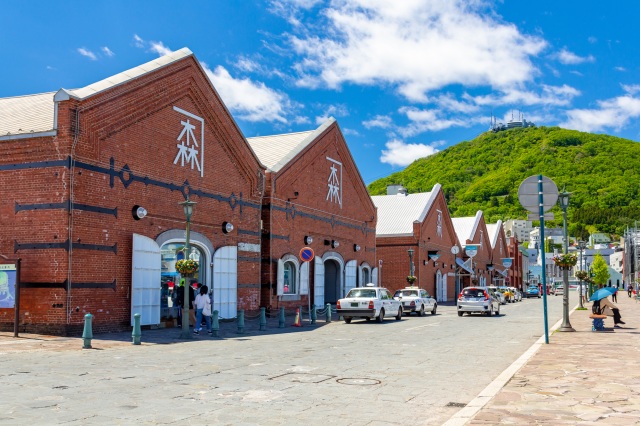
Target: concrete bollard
{"points": [[328, 314], [241, 322], [215, 328], [137, 332], [314, 314], [87, 333], [281, 318], [263, 319]]}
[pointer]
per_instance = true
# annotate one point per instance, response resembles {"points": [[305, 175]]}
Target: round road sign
{"points": [[306, 254], [529, 197]]}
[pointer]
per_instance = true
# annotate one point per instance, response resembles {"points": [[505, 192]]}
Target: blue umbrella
{"points": [[602, 293]]}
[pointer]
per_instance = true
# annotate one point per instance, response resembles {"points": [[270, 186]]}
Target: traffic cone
{"points": [[297, 322]]}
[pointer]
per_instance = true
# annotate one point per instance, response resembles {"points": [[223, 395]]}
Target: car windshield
{"points": [[473, 292], [532, 288], [406, 293], [362, 292]]}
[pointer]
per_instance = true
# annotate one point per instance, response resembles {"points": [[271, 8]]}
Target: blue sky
{"points": [[403, 78]]}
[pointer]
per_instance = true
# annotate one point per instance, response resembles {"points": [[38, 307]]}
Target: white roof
{"points": [[35, 115], [276, 151], [124, 77], [26, 114], [465, 227], [494, 229], [397, 213]]}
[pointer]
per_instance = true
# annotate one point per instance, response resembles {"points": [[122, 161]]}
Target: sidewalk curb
{"points": [[475, 405]]}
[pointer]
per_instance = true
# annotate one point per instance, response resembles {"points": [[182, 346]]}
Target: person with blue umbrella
{"points": [[603, 306]]}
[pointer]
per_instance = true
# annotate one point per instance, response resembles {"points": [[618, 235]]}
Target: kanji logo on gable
{"points": [[335, 182], [189, 147]]}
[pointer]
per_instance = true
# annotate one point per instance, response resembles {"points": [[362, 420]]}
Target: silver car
{"points": [[477, 299]]}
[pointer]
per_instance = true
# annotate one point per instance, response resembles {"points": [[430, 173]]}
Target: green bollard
{"points": [[263, 319], [87, 334], [281, 318], [137, 332], [328, 315], [241, 322], [314, 315], [215, 328]]}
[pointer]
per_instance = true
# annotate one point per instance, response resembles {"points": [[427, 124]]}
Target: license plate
{"points": [[354, 304]]}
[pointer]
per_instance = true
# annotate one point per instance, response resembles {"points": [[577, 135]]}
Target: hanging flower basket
{"points": [[411, 279], [565, 261], [186, 266]]}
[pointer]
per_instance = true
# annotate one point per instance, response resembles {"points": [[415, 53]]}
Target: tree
{"points": [[600, 269]]}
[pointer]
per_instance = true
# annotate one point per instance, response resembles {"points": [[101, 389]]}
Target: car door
{"points": [[390, 304], [427, 300]]}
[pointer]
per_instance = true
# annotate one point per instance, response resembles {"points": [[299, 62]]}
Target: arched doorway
{"points": [[331, 281]]}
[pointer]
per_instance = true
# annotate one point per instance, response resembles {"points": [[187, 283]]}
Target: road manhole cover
{"points": [[358, 382], [304, 377], [456, 404]]}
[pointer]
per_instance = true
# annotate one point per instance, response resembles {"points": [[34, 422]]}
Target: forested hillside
{"points": [[601, 172]]}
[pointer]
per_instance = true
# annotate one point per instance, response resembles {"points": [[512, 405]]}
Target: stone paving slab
{"points": [[579, 378]]}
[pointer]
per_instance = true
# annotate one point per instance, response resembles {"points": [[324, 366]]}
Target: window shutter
{"points": [[280, 279], [304, 278]]}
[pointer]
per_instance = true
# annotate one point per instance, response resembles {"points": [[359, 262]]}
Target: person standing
{"points": [[179, 300], [202, 302], [192, 305], [614, 297]]}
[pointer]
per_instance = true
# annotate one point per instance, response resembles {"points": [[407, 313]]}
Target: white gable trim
{"points": [[302, 145]]}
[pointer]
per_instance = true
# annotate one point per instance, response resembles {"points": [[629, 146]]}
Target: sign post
{"points": [[539, 194], [307, 255]]}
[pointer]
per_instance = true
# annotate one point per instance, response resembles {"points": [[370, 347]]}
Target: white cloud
{"points": [[382, 121], [430, 120], [548, 95], [350, 132], [107, 51], [631, 89], [402, 154], [614, 113], [253, 101], [89, 54], [332, 111], [159, 48], [414, 45], [139, 42], [621, 69], [569, 58]]}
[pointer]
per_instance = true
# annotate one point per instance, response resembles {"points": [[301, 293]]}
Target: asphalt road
{"points": [[416, 371]]}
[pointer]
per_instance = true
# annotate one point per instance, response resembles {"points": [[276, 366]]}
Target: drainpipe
{"points": [[72, 163]]}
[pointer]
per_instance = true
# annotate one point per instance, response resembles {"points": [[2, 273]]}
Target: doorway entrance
{"points": [[331, 281]]}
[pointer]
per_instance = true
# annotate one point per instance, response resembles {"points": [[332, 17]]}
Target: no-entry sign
{"points": [[306, 254]]}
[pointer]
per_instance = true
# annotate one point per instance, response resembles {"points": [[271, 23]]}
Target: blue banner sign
{"points": [[507, 262]]}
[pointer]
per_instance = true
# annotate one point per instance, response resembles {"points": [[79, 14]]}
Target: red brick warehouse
{"points": [[314, 197], [74, 165]]}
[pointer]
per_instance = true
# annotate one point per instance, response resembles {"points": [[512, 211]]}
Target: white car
{"points": [[369, 302], [516, 292], [497, 294], [416, 299], [477, 299]]}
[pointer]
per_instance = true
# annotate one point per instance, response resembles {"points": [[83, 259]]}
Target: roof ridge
{"points": [[29, 94]]}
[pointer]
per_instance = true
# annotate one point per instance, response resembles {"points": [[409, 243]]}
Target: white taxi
{"points": [[369, 302], [415, 299]]}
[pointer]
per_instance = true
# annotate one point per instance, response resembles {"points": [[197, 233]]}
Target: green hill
{"points": [[602, 173]]}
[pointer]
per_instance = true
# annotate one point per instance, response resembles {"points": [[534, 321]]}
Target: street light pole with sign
{"points": [[563, 199], [538, 194]]}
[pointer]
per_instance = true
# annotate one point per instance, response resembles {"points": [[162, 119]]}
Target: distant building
{"points": [[512, 124], [599, 238], [519, 228]]}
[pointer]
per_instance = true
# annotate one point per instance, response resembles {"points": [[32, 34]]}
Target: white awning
{"points": [[461, 264]]}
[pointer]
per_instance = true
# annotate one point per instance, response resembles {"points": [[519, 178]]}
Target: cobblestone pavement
{"points": [[579, 378]]}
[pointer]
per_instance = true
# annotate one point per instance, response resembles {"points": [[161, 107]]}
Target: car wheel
{"points": [[435, 307], [459, 313], [490, 313], [380, 317], [421, 311], [347, 320], [498, 311], [368, 319], [399, 316]]}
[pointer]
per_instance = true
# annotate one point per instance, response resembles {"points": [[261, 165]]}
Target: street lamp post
{"points": [[581, 246], [563, 199], [187, 205]]}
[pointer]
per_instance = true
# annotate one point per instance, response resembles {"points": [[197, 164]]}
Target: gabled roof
{"points": [[466, 227], [30, 114], [398, 213], [35, 115], [276, 151], [123, 77], [494, 230]]}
